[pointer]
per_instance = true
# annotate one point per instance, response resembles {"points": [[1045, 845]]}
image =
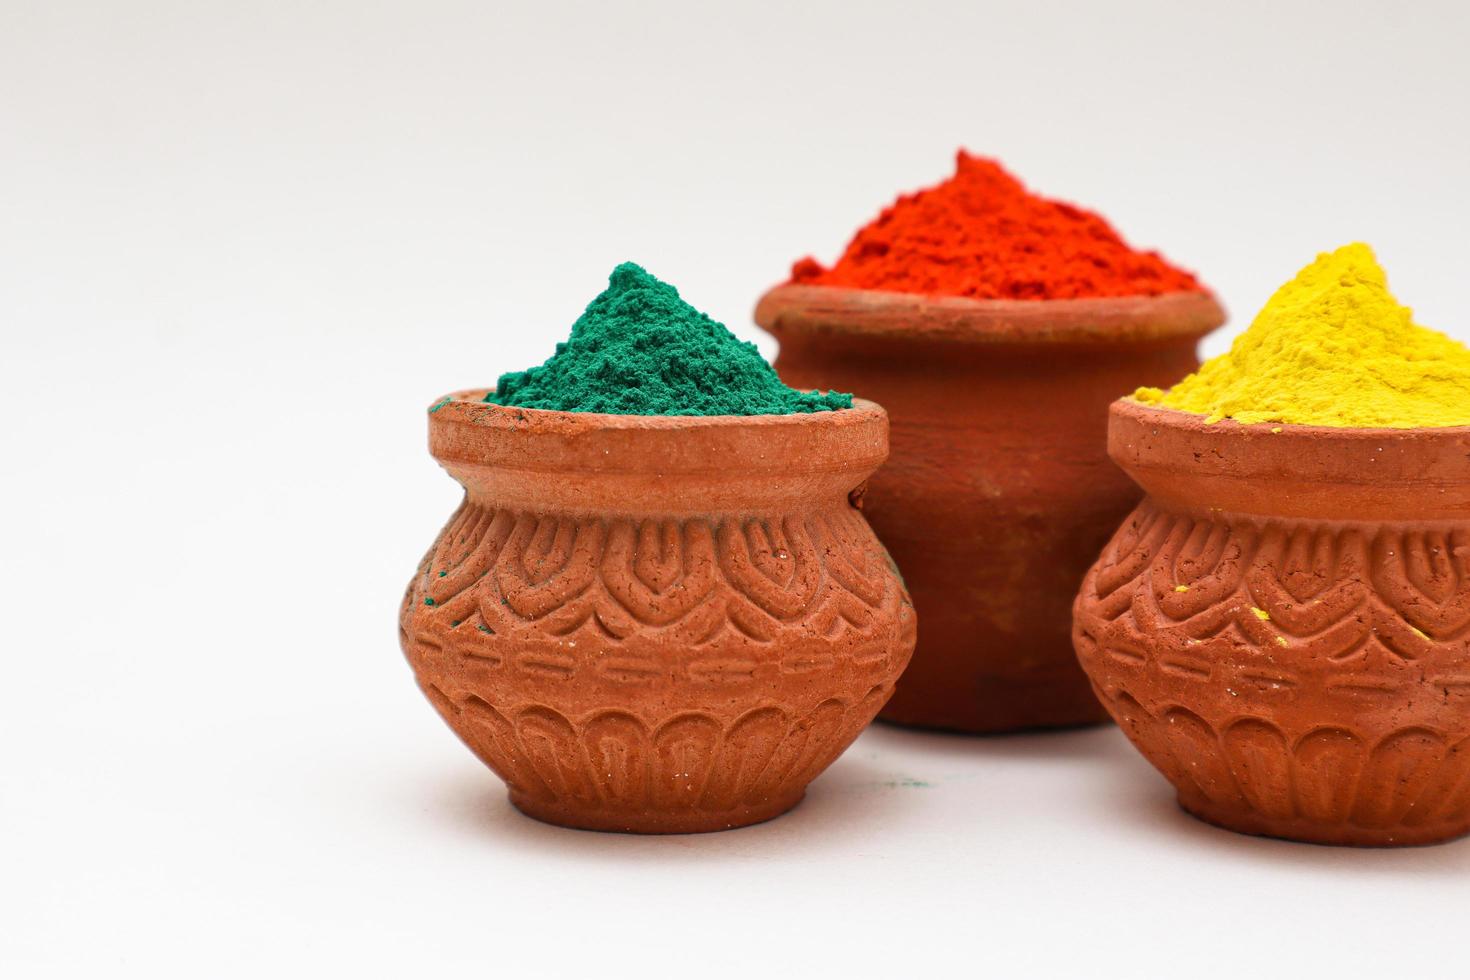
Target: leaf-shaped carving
{"points": [[455, 570], [744, 754], [1200, 572], [661, 572], [618, 751], [850, 561], [1309, 588], [771, 563], [1448, 793], [1425, 578], [684, 751], [839, 611], [1197, 750], [801, 751], [1307, 563], [551, 749], [1400, 639], [1428, 564], [1326, 765], [1128, 555], [1261, 764], [547, 563], [1398, 771], [492, 737], [748, 620]]}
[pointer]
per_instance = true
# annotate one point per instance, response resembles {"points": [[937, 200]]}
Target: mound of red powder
{"points": [[982, 234]]}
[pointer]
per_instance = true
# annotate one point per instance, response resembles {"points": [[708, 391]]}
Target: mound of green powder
{"points": [[639, 349]]}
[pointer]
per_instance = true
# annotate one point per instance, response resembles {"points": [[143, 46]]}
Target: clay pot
{"points": [[656, 624], [1282, 627], [998, 493]]}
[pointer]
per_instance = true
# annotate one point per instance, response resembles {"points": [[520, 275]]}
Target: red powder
{"points": [[981, 234]]}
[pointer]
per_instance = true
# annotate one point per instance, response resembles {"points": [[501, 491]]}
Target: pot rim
{"points": [[802, 309], [1293, 470], [469, 406], [698, 462], [1180, 419]]}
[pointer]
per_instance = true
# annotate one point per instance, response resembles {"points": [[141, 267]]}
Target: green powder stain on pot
{"points": [[639, 349]]}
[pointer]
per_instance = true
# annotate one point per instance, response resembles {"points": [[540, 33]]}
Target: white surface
{"points": [[243, 246]]}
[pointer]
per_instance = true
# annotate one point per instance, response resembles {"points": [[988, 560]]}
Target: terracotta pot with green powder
{"points": [[995, 327], [1282, 626], [659, 608]]}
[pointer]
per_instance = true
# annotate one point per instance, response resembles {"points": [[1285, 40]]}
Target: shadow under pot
{"points": [[656, 624], [1282, 627], [998, 493]]}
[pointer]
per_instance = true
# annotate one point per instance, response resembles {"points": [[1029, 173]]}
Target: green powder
{"points": [[639, 349]]}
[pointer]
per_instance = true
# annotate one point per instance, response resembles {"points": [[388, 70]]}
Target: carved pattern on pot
{"points": [[612, 760], [1206, 637], [516, 623]]}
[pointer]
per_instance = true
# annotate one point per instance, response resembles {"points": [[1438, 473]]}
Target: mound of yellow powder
{"points": [[1332, 347]]}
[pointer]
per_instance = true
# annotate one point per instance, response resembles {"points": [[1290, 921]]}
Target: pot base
{"points": [[1313, 832], [653, 821], [1003, 705], [1019, 718]]}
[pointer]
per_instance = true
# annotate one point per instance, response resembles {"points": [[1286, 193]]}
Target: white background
{"points": [[243, 245]]}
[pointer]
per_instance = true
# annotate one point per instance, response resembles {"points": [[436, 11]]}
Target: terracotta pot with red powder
{"points": [[996, 327]]}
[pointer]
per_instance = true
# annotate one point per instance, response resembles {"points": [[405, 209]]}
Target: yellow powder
{"points": [[1332, 347]]}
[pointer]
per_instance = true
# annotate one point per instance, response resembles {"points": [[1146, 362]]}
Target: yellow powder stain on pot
{"points": [[1332, 347], [1181, 588], [1261, 614]]}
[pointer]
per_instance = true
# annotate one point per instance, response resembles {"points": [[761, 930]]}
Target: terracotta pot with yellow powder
{"points": [[1282, 627], [995, 327]]}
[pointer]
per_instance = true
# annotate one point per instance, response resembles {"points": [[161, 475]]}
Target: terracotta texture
{"points": [[998, 493], [656, 624], [1282, 626]]}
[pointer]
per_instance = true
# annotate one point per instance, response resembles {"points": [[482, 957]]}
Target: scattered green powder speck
{"points": [[639, 349], [428, 601]]}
